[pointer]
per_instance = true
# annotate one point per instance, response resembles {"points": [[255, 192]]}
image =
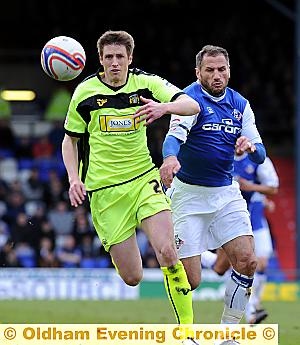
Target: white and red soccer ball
{"points": [[63, 58]]}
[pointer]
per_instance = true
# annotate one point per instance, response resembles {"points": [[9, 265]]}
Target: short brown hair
{"points": [[116, 37], [211, 50]]}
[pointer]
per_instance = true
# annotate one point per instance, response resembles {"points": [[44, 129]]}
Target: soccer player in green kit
{"points": [[116, 169]]}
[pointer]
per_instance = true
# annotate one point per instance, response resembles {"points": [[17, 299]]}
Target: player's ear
{"points": [[129, 59], [197, 71]]}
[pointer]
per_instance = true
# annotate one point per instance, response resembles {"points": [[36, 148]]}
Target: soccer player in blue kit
{"points": [[208, 208], [257, 182]]}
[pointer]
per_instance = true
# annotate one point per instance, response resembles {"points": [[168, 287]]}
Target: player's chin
{"points": [[217, 89]]}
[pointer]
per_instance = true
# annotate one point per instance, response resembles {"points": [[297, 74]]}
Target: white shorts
{"points": [[207, 217], [263, 242]]}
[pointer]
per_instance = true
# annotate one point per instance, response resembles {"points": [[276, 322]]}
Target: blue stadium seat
{"points": [[27, 261], [103, 262], [25, 163], [88, 263], [6, 153], [44, 165]]}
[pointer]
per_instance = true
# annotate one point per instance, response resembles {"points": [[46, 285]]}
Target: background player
{"points": [[256, 183]]}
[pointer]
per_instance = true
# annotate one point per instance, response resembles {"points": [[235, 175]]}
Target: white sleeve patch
{"points": [[249, 129], [180, 126]]}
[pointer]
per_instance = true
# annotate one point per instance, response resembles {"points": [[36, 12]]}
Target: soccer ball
{"points": [[63, 58]]}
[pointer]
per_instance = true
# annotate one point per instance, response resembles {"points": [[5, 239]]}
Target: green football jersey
{"points": [[113, 146]]}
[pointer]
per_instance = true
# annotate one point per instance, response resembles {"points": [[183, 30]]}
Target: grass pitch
{"points": [[156, 311]]}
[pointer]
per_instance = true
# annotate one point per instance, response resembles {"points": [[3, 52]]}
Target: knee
{"points": [[247, 264], [132, 279], [220, 271], [252, 264], [167, 255]]}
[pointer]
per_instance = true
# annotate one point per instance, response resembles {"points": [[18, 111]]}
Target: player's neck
{"points": [[113, 82]]}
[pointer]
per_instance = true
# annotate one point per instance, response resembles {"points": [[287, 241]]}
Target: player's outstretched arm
{"points": [[171, 165], [183, 105]]}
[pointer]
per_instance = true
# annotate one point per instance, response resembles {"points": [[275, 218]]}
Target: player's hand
{"points": [[270, 205], [168, 170], [77, 193], [150, 111], [246, 185], [243, 144]]}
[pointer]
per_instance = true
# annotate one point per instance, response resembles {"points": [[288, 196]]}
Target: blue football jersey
{"points": [[245, 168], [265, 174], [207, 153]]}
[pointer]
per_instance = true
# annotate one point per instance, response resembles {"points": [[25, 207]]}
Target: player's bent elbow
{"points": [[196, 108]]}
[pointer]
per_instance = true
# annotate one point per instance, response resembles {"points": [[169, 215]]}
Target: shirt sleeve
{"points": [[162, 89], [74, 123], [266, 174], [180, 126], [171, 146], [249, 128]]}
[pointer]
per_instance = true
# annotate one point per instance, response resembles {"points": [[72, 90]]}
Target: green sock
{"points": [[179, 292]]}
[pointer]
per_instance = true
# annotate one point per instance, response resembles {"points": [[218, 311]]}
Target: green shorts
{"points": [[118, 211]]}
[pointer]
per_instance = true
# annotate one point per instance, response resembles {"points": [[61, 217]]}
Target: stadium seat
{"points": [[25, 163], [27, 261], [103, 262], [6, 153], [88, 263], [44, 165]]}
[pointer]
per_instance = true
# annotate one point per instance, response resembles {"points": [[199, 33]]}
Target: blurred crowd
{"points": [[38, 227], [262, 56]]}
